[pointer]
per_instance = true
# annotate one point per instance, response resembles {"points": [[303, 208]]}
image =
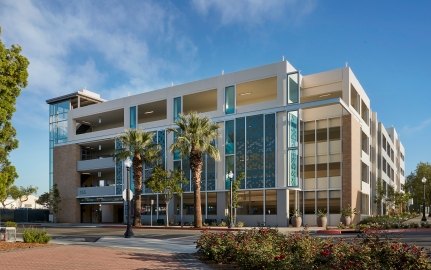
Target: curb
{"points": [[329, 232]]}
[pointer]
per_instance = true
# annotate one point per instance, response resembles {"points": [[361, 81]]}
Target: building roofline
{"points": [[83, 93]]}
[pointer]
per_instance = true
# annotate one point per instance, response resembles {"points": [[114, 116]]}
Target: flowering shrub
{"points": [[219, 247], [265, 248]]}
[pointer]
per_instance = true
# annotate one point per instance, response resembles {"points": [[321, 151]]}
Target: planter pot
{"points": [[346, 220], [322, 221], [296, 222]]}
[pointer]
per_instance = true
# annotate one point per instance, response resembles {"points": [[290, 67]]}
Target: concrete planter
{"points": [[296, 222], [322, 221]]}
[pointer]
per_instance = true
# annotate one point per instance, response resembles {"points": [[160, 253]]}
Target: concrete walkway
{"points": [[71, 257], [114, 252]]}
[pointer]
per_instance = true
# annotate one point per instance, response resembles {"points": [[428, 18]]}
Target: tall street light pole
{"points": [[230, 176], [424, 218], [129, 233]]}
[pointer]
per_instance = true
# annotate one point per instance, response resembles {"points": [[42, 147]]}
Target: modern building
{"points": [[305, 142]]}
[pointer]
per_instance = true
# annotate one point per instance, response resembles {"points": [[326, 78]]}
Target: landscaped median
{"points": [[267, 248]]}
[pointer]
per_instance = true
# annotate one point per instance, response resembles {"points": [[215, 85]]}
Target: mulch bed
{"points": [[8, 246]]}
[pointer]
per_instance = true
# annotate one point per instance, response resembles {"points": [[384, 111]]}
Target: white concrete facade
{"points": [[334, 154]]}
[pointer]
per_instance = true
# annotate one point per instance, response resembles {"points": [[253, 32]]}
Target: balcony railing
{"points": [[95, 164], [96, 191]]}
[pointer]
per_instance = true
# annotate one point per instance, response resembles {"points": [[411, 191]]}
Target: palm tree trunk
{"points": [[196, 168], [137, 177]]}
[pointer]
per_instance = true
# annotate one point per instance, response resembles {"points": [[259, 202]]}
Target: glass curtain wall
{"points": [[58, 113], [250, 145], [250, 149]]}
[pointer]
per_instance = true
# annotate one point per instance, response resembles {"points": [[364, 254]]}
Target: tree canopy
{"points": [[13, 77], [51, 199], [168, 183], [415, 186]]}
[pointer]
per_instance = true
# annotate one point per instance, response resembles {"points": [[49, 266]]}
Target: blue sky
{"points": [[118, 48]]}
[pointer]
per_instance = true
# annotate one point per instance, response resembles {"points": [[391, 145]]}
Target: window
{"points": [[270, 202], [309, 201], [230, 100], [254, 151], [293, 88], [334, 201], [177, 108], [133, 117], [212, 203], [230, 137]]}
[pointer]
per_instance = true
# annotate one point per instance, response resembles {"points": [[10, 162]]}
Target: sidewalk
{"points": [[70, 257]]}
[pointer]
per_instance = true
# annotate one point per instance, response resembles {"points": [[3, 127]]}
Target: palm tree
{"points": [[195, 137], [138, 145]]}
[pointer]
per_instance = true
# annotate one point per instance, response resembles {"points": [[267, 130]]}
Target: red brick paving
{"points": [[70, 257]]}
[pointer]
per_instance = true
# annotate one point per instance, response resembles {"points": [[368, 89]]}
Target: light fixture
{"points": [[100, 120], [325, 95], [100, 147], [128, 162], [148, 112], [245, 93]]}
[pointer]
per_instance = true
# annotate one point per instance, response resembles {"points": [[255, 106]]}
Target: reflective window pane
{"points": [[254, 151], [230, 99], [229, 137]]}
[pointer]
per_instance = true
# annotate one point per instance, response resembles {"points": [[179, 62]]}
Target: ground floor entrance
{"points": [[102, 213]]}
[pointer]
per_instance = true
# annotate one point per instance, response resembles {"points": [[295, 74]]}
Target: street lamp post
{"points": [[129, 232], [230, 176], [424, 218]]}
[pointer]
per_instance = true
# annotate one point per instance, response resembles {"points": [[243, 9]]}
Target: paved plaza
{"points": [[80, 246]]}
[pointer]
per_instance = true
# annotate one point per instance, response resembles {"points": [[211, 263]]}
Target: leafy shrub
{"points": [[10, 224], [219, 247], [222, 224], [265, 248], [240, 224], [33, 235]]}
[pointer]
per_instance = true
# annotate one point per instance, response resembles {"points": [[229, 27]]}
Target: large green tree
{"points": [[167, 183], [51, 200], [415, 186], [195, 135], [139, 146], [13, 77], [17, 193]]}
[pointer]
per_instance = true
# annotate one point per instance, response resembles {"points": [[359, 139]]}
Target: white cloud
{"points": [[252, 12], [418, 127], [110, 47]]}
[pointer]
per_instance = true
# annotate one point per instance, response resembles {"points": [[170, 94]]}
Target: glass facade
{"points": [[118, 171], [254, 152], [177, 108], [230, 100], [292, 150], [57, 130], [133, 117], [293, 88], [250, 149]]}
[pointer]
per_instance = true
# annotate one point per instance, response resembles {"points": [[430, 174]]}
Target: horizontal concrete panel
{"points": [[95, 191], [95, 164]]}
